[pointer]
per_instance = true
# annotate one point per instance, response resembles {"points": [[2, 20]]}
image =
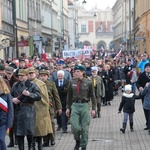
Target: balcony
{"points": [[104, 34]]}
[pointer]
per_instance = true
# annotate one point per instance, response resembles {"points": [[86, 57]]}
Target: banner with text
{"points": [[77, 53]]}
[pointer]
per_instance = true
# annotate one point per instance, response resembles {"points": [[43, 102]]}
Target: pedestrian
{"points": [[146, 104], [11, 79], [143, 78], [6, 112], [42, 122], [99, 89], [54, 105], [25, 93], [80, 91], [127, 103], [62, 87]]}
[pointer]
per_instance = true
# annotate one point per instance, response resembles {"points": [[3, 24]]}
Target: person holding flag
{"points": [[6, 112]]}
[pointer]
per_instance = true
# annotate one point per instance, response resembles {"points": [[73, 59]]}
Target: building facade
{"points": [[123, 24], [7, 37], [95, 28], [142, 26], [73, 25]]}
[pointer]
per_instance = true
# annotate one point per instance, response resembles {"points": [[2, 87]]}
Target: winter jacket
{"points": [[127, 103], [6, 117]]}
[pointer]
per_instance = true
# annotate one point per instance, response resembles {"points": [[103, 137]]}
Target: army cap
{"points": [[79, 67], [23, 72], [43, 71], [9, 69], [2, 67], [31, 70]]}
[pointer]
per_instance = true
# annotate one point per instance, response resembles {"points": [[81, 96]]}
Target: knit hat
{"points": [[128, 87]]}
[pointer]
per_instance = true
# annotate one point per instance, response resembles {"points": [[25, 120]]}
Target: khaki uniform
{"points": [[43, 124], [99, 89], [78, 103], [54, 104]]}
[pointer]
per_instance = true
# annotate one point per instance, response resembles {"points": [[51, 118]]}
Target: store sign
{"points": [[5, 43]]}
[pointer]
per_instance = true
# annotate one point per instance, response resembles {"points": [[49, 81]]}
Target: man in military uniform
{"points": [[99, 88], [25, 93], [43, 122], [54, 103], [80, 91]]}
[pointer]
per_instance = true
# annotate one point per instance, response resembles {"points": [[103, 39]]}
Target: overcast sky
{"points": [[102, 4]]}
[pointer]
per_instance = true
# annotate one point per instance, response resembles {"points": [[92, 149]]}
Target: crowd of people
{"points": [[34, 91]]}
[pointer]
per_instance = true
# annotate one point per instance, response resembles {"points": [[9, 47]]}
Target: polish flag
{"points": [[118, 55], [3, 105]]}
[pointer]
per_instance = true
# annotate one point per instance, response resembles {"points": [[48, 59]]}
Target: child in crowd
{"points": [[128, 105]]}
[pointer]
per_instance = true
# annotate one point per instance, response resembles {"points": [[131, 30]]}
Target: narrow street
{"points": [[105, 134]]}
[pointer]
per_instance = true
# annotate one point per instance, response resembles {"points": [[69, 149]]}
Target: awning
{"points": [[23, 43]]}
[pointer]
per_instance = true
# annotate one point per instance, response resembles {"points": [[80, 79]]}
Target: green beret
{"points": [[43, 71], [9, 69], [79, 67], [2, 67], [23, 72]]}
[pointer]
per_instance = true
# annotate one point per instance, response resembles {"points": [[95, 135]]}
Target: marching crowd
{"points": [[34, 91]]}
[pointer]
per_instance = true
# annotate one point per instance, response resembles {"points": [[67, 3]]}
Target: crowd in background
{"points": [[114, 73]]}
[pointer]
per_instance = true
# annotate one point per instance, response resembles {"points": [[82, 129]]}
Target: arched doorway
{"points": [[86, 43], [101, 45]]}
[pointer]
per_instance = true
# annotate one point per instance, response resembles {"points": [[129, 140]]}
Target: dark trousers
{"points": [[2, 137], [64, 121], [146, 113], [21, 141], [59, 120]]}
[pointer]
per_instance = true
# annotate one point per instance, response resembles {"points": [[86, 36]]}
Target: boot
{"points": [[123, 127], [39, 141], [98, 110], [77, 145], [46, 140], [11, 144], [131, 126], [21, 143], [30, 142]]}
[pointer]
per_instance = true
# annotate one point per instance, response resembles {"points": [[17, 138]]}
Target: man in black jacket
{"points": [[141, 82], [25, 93]]}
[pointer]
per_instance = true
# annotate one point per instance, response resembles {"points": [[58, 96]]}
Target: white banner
{"points": [[76, 53]]}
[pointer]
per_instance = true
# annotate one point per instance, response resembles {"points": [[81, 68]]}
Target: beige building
{"points": [[123, 24], [142, 26], [6, 29], [95, 28]]}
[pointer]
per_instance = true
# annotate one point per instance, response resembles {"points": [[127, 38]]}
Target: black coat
{"points": [[142, 80], [108, 82], [127, 103], [25, 114], [62, 90]]}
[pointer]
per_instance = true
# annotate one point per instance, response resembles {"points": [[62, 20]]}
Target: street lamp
{"points": [[84, 2]]}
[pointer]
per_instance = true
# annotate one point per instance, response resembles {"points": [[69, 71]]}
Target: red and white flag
{"points": [[118, 55], [3, 105]]}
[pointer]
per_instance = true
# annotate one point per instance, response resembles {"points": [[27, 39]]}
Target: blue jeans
{"points": [[64, 121], [2, 137], [133, 87], [125, 119]]}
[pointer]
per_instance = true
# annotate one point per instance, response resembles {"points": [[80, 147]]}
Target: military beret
{"points": [[2, 67], [60, 62], [23, 72], [43, 71], [79, 67], [31, 70], [9, 69]]}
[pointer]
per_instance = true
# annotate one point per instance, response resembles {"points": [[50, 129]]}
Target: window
{"points": [[83, 28]]}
